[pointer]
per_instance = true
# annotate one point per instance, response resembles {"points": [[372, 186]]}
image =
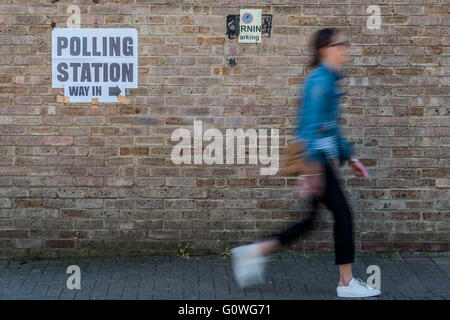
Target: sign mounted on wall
{"points": [[233, 22], [94, 63], [250, 26]]}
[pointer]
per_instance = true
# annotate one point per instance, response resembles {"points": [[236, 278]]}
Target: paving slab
{"points": [[289, 276]]}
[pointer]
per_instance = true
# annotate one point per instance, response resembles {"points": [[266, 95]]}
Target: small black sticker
{"points": [[266, 24], [232, 26]]}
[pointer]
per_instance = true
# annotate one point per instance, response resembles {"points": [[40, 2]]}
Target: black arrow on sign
{"points": [[114, 91]]}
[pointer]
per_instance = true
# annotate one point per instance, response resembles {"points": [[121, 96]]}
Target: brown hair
{"points": [[321, 39]]}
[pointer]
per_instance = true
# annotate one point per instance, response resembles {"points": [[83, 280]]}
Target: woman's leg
{"points": [[248, 261], [335, 200], [345, 274], [292, 233]]}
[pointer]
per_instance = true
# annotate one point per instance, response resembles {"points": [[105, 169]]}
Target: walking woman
{"points": [[325, 145]]}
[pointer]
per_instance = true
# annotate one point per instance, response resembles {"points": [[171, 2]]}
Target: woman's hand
{"points": [[312, 182], [359, 169]]}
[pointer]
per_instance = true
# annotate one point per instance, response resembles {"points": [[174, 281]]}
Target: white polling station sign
{"points": [[250, 26], [94, 63]]}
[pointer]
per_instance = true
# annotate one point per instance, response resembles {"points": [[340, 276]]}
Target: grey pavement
{"points": [[289, 275]]}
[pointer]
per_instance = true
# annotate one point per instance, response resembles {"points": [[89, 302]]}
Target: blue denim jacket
{"points": [[317, 119]]}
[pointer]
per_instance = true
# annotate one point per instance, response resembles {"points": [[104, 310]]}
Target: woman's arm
{"points": [[317, 96], [346, 151]]}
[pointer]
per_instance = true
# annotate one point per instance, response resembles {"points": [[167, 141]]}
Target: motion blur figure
{"points": [[318, 128]]}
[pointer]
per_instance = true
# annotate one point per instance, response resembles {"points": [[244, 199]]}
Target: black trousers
{"points": [[335, 201]]}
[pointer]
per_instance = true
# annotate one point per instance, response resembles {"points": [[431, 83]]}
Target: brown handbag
{"points": [[293, 159], [310, 174]]}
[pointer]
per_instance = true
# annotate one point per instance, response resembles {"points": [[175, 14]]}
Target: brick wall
{"points": [[89, 180]]}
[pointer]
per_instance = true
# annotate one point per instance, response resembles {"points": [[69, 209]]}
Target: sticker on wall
{"points": [[93, 64], [250, 26], [233, 25]]}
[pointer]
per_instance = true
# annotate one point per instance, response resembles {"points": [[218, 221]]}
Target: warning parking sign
{"points": [[250, 26]]}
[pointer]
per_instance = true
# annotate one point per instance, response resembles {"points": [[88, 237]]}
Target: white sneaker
{"points": [[248, 265], [357, 289]]}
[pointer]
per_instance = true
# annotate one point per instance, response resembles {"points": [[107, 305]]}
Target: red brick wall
{"points": [[82, 179]]}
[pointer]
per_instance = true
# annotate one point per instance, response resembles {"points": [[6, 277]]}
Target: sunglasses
{"points": [[343, 43]]}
